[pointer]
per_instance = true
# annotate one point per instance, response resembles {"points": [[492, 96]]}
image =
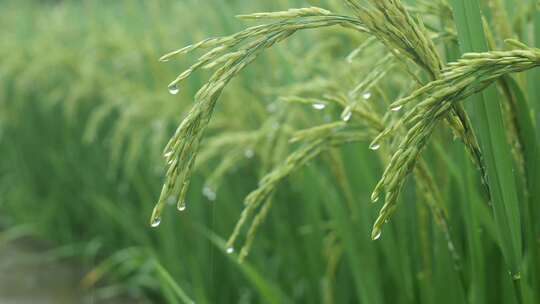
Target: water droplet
{"points": [[346, 115], [319, 106], [249, 153], [366, 95], [156, 221], [168, 154], [174, 89], [376, 235], [375, 199], [171, 200], [209, 193], [375, 146], [230, 250], [516, 276], [181, 206], [396, 108]]}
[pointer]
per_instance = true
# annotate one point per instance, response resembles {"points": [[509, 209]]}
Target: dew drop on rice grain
{"points": [[174, 89], [156, 221], [375, 147], [366, 95], [397, 108], [319, 106], [346, 115]]}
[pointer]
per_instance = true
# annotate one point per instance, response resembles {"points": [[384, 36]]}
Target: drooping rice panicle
{"points": [[461, 79], [182, 149]]}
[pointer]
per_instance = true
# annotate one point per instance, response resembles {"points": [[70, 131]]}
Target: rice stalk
{"points": [[460, 79], [390, 22], [406, 39], [326, 137], [180, 152]]}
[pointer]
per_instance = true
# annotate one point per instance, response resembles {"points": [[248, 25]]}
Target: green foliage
{"points": [[285, 138]]}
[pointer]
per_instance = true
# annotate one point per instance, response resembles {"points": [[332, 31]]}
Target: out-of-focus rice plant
{"points": [[291, 133]]}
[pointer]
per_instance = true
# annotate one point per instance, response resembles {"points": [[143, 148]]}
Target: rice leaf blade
{"points": [[487, 118]]}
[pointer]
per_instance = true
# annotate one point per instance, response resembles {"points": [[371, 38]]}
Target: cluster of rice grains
{"points": [[407, 44], [230, 55]]}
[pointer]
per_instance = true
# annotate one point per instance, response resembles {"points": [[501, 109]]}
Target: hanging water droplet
{"points": [[366, 95], [156, 221], [374, 196], [174, 89], [396, 108], [346, 115], [377, 235], [249, 153], [375, 146], [230, 250], [181, 206], [319, 106], [516, 276], [209, 193]]}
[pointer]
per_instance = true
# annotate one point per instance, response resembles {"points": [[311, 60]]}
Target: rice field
{"points": [[330, 151]]}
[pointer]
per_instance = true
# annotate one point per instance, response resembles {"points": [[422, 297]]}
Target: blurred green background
{"points": [[84, 116]]}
